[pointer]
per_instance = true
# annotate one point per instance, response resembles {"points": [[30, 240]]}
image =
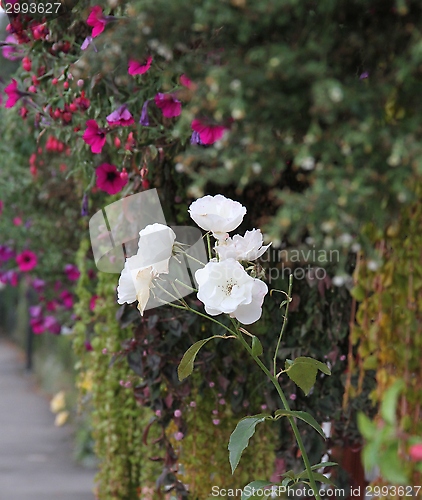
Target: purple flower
{"points": [[144, 115], [121, 117], [35, 311], [52, 325], [6, 253], [9, 277], [364, 75], [85, 207], [195, 139], [72, 272], [38, 284], [87, 42]]}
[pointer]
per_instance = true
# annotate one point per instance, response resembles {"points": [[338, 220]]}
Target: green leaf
{"points": [[239, 438], [303, 372], [389, 402], [186, 365], [324, 464], [302, 415], [248, 490], [314, 362], [358, 293], [317, 476], [256, 346], [391, 466], [366, 427]]}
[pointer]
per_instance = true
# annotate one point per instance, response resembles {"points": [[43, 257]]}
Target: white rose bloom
{"points": [[248, 247], [217, 214], [155, 244], [225, 287]]}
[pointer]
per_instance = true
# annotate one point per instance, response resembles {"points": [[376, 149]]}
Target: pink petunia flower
{"points": [[67, 299], [37, 325], [52, 325], [139, 68], [9, 277], [52, 305], [169, 105], [6, 253], [26, 261], [12, 52], [109, 178], [38, 284], [415, 452], [72, 272], [206, 133], [93, 302], [94, 136], [97, 20], [13, 94], [121, 116], [17, 221], [187, 82]]}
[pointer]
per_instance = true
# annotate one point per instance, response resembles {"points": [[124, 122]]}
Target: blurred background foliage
{"points": [[323, 147]]}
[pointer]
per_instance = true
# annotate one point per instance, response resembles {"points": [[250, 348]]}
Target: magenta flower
{"points": [[207, 133], [52, 305], [6, 253], [109, 178], [52, 325], [37, 325], [121, 117], [92, 302], [67, 299], [9, 277], [1, 201], [13, 94], [35, 311], [137, 68], [144, 114], [26, 260], [415, 452], [97, 20], [38, 285], [12, 51], [169, 105], [187, 82], [94, 136], [72, 272]]}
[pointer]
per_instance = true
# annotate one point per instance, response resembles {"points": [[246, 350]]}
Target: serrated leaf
{"points": [[303, 371], [239, 438], [185, 367], [256, 346], [248, 490], [303, 375], [311, 361], [302, 415]]}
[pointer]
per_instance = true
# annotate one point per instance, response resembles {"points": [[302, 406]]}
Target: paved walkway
{"points": [[35, 456]]}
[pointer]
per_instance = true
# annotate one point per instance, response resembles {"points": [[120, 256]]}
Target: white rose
{"points": [[248, 247], [217, 214], [225, 287], [154, 252]]}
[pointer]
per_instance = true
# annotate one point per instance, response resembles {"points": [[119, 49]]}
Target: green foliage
{"points": [[303, 371], [239, 438]]}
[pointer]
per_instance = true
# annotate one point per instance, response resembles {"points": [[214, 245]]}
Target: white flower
{"points": [[248, 247], [152, 259], [225, 287], [217, 214]]}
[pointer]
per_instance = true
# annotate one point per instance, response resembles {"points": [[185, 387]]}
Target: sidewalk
{"points": [[35, 456]]}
